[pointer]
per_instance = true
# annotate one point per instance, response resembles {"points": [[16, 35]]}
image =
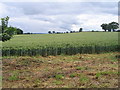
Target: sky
{"points": [[60, 16]]}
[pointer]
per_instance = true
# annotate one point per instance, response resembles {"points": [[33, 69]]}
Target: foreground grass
{"points": [[76, 71]]}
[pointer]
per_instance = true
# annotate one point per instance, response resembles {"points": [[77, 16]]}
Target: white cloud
{"points": [[30, 25], [119, 22], [42, 17], [2, 9], [43, 24], [10, 11], [93, 22]]}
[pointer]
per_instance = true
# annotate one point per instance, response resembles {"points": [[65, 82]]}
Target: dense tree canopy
{"points": [[114, 25], [19, 31], [104, 26], [10, 30], [80, 30], [7, 32], [49, 32], [110, 27], [4, 22], [5, 37]]}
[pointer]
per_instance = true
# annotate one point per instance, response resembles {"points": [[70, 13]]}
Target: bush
{"points": [[5, 37], [10, 31], [19, 31], [0, 37]]}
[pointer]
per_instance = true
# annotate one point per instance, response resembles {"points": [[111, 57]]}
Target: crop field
{"points": [[74, 60], [58, 44]]}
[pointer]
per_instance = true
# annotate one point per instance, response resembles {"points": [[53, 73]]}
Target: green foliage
{"points": [[110, 26], [5, 37], [53, 32], [4, 22], [49, 32], [80, 30], [83, 78], [114, 25], [98, 75], [14, 76], [37, 82], [13, 30], [58, 82], [73, 75], [0, 37], [104, 26], [19, 31], [59, 76], [10, 31], [78, 68]]}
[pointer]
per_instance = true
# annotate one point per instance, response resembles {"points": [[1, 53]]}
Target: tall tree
{"points": [[80, 30], [114, 25], [109, 28], [4, 22], [53, 32], [104, 27], [49, 32]]}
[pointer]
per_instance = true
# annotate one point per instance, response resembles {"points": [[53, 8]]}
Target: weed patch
{"points": [[73, 75], [59, 76], [14, 76], [57, 82]]}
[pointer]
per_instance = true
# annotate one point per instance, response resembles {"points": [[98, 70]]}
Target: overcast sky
{"points": [[41, 17]]}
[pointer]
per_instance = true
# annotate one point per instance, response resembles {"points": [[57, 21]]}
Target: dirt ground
{"points": [[76, 71]]}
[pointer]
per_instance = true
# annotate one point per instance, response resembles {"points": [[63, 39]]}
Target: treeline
{"points": [[53, 32], [110, 26], [6, 32]]}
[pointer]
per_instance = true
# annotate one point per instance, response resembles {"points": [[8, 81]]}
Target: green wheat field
{"points": [[57, 44]]}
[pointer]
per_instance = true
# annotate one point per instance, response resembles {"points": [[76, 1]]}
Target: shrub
{"points": [[5, 37]]}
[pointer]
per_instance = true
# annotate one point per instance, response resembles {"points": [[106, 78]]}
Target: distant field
{"points": [[56, 44]]}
